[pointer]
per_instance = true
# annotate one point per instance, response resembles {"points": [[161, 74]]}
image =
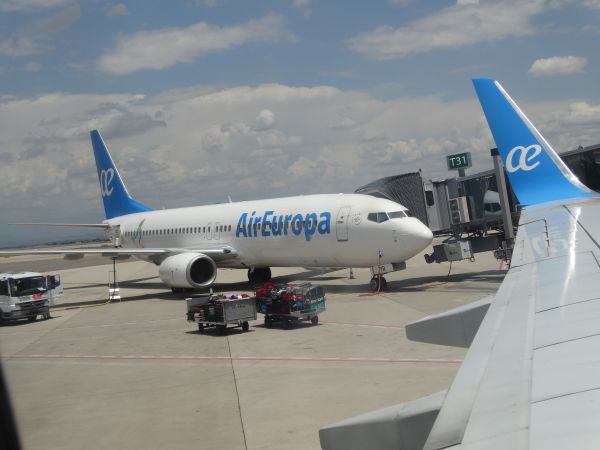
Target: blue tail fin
{"points": [[117, 201], [536, 172]]}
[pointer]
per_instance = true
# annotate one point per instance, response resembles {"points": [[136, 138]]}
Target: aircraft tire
{"points": [[373, 284]]}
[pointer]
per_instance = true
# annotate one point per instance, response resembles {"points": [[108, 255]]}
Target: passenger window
{"points": [[229, 227]]}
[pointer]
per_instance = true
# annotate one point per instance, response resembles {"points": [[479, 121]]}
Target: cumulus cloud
{"points": [[198, 145], [303, 6], [264, 120], [464, 23], [558, 65], [32, 5], [159, 49], [36, 37], [120, 9]]}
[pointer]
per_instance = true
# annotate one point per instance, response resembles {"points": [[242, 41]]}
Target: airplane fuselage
{"points": [[328, 230]]}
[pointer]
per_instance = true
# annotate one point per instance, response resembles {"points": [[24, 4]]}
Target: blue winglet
{"points": [[536, 172], [117, 201]]}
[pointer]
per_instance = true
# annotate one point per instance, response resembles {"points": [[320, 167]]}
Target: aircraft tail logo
{"points": [[536, 172], [116, 198]]}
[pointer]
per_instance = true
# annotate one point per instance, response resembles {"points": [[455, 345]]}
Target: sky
{"points": [[198, 100]]}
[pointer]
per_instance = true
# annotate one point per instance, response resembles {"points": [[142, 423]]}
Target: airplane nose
{"points": [[420, 235]]}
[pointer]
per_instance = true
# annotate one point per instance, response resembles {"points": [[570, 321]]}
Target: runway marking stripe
{"points": [[237, 358], [368, 325]]}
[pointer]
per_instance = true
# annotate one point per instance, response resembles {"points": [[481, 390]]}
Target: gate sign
{"points": [[459, 161]]}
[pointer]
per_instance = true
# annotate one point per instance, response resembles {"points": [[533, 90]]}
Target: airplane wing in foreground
{"points": [[531, 377]]}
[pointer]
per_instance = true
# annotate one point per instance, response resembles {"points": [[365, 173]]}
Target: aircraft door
{"points": [[209, 231], [341, 223], [217, 232]]}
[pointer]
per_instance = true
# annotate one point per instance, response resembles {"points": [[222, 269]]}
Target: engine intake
{"points": [[188, 270]]}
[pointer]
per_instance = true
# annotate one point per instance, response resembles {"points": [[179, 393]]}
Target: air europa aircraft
{"points": [[189, 244]]}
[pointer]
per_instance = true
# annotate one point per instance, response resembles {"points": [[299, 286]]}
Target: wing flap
{"points": [[403, 426], [456, 327]]}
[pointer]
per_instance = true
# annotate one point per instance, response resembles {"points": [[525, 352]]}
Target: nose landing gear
{"points": [[259, 274], [378, 284]]}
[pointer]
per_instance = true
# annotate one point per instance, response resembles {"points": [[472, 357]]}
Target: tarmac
{"points": [[136, 374]]}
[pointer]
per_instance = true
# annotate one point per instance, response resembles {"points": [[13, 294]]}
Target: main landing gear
{"points": [[259, 275], [378, 284]]}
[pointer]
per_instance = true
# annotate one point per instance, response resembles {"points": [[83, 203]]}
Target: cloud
{"points": [[264, 120], [120, 9], [197, 145], [303, 6], [464, 23], [166, 47], [558, 65], [36, 37], [32, 5], [592, 3]]}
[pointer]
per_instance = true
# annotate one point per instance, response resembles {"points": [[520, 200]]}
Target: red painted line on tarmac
{"points": [[227, 358]]}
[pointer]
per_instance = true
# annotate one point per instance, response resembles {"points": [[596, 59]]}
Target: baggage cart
{"points": [[221, 311], [290, 303]]}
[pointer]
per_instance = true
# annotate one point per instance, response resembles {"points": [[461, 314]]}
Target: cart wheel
{"points": [[47, 316], [32, 318], [314, 320], [200, 328], [245, 326], [287, 324], [221, 329], [268, 322]]}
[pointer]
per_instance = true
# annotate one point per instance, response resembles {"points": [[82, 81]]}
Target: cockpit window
{"points": [[397, 215], [378, 217]]}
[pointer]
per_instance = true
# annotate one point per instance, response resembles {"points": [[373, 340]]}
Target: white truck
{"points": [[26, 295]]}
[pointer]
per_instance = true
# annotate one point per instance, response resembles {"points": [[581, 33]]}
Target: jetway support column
{"points": [[509, 233]]}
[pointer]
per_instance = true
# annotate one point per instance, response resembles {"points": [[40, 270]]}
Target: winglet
{"points": [[117, 201], [536, 172]]}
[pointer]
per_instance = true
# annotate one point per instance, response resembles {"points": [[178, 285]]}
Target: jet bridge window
{"points": [[377, 217]]}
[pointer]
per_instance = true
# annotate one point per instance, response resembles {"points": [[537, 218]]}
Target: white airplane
{"points": [[189, 244], [531, 377]]}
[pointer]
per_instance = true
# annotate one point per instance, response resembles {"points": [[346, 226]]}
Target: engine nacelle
{"points": [[188, 270]]}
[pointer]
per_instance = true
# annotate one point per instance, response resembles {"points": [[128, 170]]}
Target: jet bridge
{"points": [[466, 210]]}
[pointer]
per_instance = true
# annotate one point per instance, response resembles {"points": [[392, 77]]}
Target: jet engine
{"points": [[188, 270]]}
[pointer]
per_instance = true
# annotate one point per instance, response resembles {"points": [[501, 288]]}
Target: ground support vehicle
{"points": [[221, 311], [27, 295], [290, 303]]}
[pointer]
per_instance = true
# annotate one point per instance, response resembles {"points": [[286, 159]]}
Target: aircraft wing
{"points": [[217, 253], [531, 376]]}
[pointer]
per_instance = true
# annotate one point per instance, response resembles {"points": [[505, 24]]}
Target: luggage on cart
{"points": [[290, 303], [221, 311]]}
